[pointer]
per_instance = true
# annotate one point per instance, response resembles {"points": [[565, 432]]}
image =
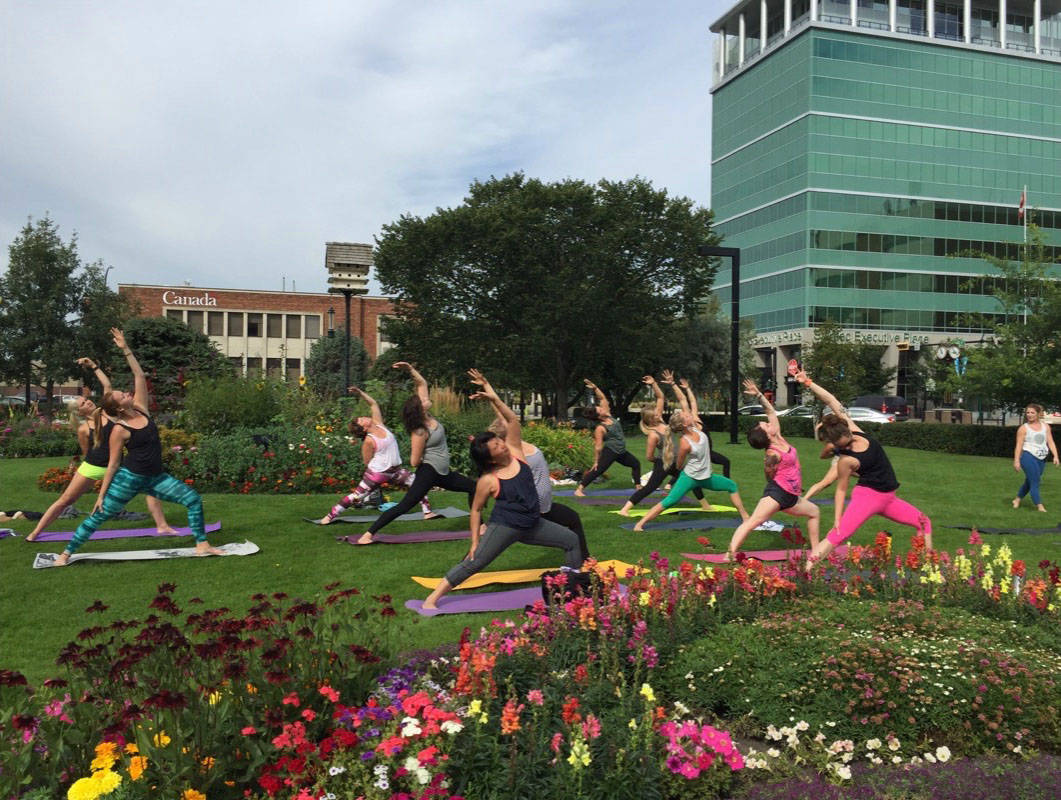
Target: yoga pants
{"points": [[426, 477], [713, 483], [626, 458], [1033, 473], [498, 537], [866, 502], [370, 481], [125, 486], [569, 518], [656, 478]]}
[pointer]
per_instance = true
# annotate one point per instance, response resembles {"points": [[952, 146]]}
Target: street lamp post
{"points": [[346, 349], [732, 253]]}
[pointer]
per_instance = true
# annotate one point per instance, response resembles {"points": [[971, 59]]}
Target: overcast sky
{"points": [[224, 143]]}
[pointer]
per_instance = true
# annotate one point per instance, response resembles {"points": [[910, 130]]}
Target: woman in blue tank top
{"points": [[517, 516]]}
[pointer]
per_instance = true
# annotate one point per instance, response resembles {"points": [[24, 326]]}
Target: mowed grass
{"points": [[41, 610]]}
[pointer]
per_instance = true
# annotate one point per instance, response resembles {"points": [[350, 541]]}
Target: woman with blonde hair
{"points": [[1035, 442]]}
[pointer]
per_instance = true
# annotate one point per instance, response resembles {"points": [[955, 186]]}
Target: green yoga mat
{"points": [[640, 512], [47, 560]]}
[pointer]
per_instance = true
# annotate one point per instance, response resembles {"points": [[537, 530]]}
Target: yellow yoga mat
{"points": [[518, 575], [640, 512]]}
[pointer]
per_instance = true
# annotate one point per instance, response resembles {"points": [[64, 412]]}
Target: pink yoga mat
{"points": [[511, 600], [409, 538], [761, 555], [127, 533]]}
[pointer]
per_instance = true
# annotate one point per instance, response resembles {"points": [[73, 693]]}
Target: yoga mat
{"points": [[1030, 531], [701, 524], [640, 512], [46, 560], [762, 555], [407, 538], [510, 600], [520, 575], [599, 492], [5, 532], [449, 512], [127, 533]]}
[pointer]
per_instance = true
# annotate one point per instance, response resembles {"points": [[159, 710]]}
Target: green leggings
{"points": [[713, 483], [127, 485]]}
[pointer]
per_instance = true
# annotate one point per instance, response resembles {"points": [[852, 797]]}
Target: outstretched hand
{"points": [[648, 379], [684, 383], [87, 363], [356, 390], [589, 383], [802, 377], [401, 365], [119, 339], [667, 376], [486, 391], [750, 387]]}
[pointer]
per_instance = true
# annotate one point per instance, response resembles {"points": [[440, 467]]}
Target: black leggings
{"points": [[569, 518], [426, 477], [656, 478], [722, 461], [626, 458]]}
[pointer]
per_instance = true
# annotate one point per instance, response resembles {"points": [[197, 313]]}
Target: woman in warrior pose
{"points": [[550, 509], [429, 456], [95, 455], [783, 478], [142, 470], [694, 461], [517, 516], [609, 444], [659, 449], [383, 461], [1035, 442], [863, 457]]}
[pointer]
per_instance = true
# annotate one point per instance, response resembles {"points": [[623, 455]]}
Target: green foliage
{"points": [[970, 440], [214, 405], [504, 280], [846, 368], [30, 437], [326, 365], [563, 447]]}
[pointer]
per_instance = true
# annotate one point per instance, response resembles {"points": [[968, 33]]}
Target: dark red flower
{"points": [[165, 603], [96, 608], [56, 683], [166, 588], [10, 677], [23, 722], [166, 699]]}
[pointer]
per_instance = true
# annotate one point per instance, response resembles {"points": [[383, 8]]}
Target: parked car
{"points": [[12, 400], [885, 403], [796, 411], [67, 401], [859, 414], [752, 410]]}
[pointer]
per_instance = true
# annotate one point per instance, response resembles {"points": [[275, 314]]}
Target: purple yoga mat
{"points": [[762, 555], [406, 538], [511, 600], [127, 533]]}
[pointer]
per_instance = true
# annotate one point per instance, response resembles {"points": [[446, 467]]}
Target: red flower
{"points": [[330, 693], [570, 711], [1017, 569], [96, 608]]}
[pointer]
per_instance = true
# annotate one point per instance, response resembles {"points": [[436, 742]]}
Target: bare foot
{"points": [[1041, 507], [429, 606], [706, 506], [166, 529], [366, 538], [325, 520], [1016, 502], [579, 492], [432, 515], [62, 560], [32, 537], [640, 527], [207, 549], [625, 510]]}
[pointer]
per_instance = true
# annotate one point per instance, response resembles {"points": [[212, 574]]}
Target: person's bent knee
{"points": [[836, 537]]}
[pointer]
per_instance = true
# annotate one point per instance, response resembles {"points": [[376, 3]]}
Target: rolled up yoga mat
{"points": [[522, 575], [761, 555], [127, 533], [449, 512], [46, 560], [410, 538]]}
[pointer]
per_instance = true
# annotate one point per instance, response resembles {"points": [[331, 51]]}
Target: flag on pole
{"points": [[1020, 208]]}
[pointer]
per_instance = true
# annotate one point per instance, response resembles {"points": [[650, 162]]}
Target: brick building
{"points": [[263, 331]]}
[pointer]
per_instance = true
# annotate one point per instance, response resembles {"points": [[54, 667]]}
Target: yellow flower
{"points": [[213, 698], [132, 749], [82, 789], [160, 739], [644, 598], [105, 781], [137, 765], [474, 707], [106, 755], [632, 724], [192, 794], [647, 693], [208, 762], [484, 718]]}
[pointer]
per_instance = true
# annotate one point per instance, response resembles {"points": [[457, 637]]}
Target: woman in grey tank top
{"points": [[1035, 443], [429, 456], [609, 445]]}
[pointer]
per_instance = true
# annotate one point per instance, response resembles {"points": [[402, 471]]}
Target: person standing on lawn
{"points": [[609, 444], [1035, 442]]}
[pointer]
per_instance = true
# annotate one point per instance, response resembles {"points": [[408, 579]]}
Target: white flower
{"points": [[943, 754], [681, 708], [451, 726], [916, 760], [410, 727], [893, 745], [931, 759], [382, 783], [873, 744], [411, 763], [333, 771], [820, 737], [802, 725], [772, 733], [846, 757], [875, 760], [844, 773], [897, 760], [422, 775], [773, 752], [330, 796]]}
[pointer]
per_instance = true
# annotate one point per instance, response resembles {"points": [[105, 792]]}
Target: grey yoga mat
{"points": [[510, 600], [46, 560], [1028, 531], [598, 492], [128, 533], [410, 538], [449, 512]]}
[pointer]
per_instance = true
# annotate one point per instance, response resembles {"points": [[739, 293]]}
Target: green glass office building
{"points": [[857, 146]]}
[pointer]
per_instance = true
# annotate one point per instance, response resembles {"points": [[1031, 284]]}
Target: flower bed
{"points": [[31, 437]]}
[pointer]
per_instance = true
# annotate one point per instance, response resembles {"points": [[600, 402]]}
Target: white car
{"points": [[796, 411], [860, 414]]}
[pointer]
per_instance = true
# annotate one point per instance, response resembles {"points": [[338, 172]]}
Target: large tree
{"points": [[846, 368], [543, 284], [326, 365]]}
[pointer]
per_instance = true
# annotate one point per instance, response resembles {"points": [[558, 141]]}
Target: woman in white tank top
{"points": [[1035, 441]]}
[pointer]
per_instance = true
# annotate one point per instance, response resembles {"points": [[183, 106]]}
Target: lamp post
{"points": [[732, 253], [346, 346]]}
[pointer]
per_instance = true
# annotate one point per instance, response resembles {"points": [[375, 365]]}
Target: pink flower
{"points": [[974, 537], [535, 696], [249, 730], [330, 693], [591, 727], [309, 714], [555, 743], [292, 700]]}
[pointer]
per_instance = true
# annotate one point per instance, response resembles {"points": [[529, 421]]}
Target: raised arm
{"points": [[683, 401], [418, 380], [101, 376], [373, 406], [753, 390], [827, 398], [694, 409], [660, 399], [140, 396], [513, 429], [602, 401]]}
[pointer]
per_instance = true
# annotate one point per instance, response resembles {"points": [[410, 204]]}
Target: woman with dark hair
{"points": [[93, 435], [381, 457], [784, 481], [1035, 442], [142, 470], [517, 517], [609, 444], [659, 448], [429, 455], [863, 457]]}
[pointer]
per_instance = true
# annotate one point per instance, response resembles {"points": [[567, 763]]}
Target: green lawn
{"points": [[41, 610]]}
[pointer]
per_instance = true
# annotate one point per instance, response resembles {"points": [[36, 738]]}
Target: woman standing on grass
{"points": [[784, 480], [142, 471], [381, 457], [694, 461], [609, 444], [93, 435], [659, 449], [429, 456], [517, 517], [875, 493], [1035, 441]]}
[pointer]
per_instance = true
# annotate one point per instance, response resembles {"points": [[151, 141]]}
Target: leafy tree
{"points": [[846, 368], [542, 284], [99, 310], [326, 365]]}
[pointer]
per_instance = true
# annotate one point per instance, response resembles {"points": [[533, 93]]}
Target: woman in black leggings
{"points": [[609, 444], [429, 456]]}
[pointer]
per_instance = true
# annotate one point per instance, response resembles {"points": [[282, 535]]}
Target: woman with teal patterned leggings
{"points": [[136, 432]]}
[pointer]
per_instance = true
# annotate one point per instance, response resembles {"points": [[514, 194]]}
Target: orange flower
{"points": [[510, 717], [137, 765]]}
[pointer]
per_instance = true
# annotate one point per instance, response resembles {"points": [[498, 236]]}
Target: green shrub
{"points": [[224, 403], [33, 437], [968, 440], [563, 447]]}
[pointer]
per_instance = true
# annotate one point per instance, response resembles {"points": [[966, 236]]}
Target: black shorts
{"points": [[783, 498]]}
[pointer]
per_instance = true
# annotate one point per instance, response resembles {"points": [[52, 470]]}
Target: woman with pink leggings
{"points": [[875, 494]]}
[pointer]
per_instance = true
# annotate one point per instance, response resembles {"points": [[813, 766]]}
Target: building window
{"points": [[175, 313], [195, 321], [237, 363], [254, 367], [273, 367], [274, 326], [294, 369], [313, 326], [215, 323], [294, 326], [254, 325], [235, 324]]}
